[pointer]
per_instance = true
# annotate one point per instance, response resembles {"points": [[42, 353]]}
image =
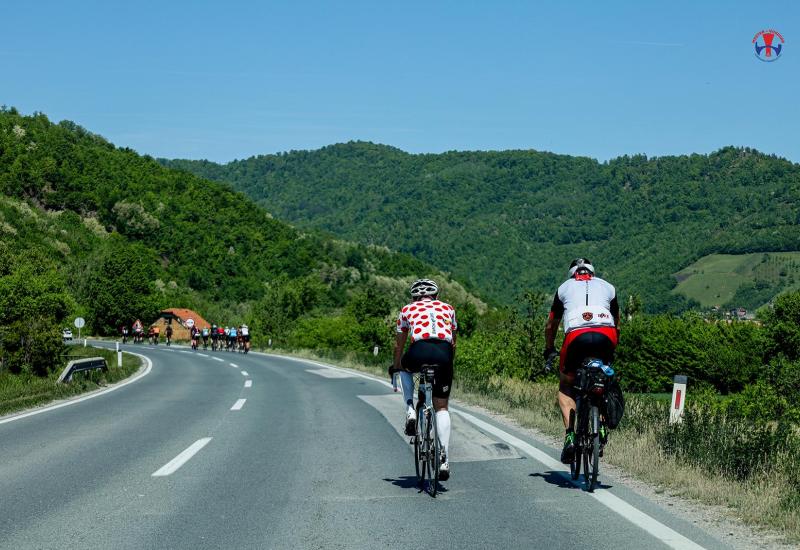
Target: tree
{"points": [[33, 306], [122, 288]]}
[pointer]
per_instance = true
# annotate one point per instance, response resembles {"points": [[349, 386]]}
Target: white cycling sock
{"points": [[407, 382], [443, 425]]}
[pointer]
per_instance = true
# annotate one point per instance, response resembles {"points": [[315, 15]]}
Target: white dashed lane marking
{"points": [[173, 465]]}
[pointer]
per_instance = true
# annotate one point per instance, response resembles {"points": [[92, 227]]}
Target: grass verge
{"points": [[22, 391], [717, 460]]}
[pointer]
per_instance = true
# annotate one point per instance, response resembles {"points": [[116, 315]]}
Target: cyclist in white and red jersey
{"points": [[430, 325], [588, 305]]}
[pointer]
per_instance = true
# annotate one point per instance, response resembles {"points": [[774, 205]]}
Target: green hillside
{"points": [[512, 220], [739, 280], [92, 229]]}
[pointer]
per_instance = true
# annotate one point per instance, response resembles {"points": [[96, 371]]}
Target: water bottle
{"points": [[607, 370]]}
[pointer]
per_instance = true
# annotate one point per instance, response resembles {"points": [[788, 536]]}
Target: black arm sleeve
{"points": [[615, 310], [557, 309]]}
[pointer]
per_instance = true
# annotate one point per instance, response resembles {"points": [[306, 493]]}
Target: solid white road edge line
{"points": [[238, 405], [135, 378], [171, 466], [668, 536], [248, 383], [244, 373], [651, 525]]}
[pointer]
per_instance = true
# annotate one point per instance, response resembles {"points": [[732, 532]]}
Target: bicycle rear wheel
{"points": [[594, 458], [434, 455], [419, 452]]}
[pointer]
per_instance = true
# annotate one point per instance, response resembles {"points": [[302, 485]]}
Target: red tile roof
{"points": [[183, 314]]}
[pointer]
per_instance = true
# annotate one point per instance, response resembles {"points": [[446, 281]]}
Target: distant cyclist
{"points": [[588, 306], [206, 332], [195, 333], [168, 334], [232, 339], [124, 334], [156, 334], [245, 333], [214, 336], [431, 327]]}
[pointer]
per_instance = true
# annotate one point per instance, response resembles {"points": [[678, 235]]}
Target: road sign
{"points": [[79, 324], [190, 323]]}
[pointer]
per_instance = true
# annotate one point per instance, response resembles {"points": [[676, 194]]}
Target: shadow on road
{"points": [[410, 482], [562, 480]]}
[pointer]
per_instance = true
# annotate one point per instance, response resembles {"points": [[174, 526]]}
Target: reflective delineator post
{"points": [[119, 358], [375, 351], [678, 399]]}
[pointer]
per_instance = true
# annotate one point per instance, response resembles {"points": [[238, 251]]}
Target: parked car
{"points": [[66, 334]]}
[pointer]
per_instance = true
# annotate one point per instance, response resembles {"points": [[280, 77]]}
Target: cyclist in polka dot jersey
{"points": [[430, 326]]}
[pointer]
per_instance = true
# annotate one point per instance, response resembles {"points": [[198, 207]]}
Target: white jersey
{"points": [[245, 331], [585, 303]]}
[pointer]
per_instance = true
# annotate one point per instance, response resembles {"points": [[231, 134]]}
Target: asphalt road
{"points": [[309, 459]]}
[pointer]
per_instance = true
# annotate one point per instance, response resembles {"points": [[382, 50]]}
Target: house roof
{"points": [[183, 314]]}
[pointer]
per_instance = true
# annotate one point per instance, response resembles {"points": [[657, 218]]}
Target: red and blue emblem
{"points": [[768, 44]]}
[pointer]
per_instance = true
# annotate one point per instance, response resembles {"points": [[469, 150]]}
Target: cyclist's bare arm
{"points": [[553, 320], [399, 346]]}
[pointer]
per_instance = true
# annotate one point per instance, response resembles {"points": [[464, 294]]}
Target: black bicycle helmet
{"points": [[424, 287]]}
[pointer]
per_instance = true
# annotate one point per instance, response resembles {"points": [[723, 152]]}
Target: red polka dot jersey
{"points": [[428, 319]]}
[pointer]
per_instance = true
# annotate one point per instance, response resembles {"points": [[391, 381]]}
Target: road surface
{"points": [[221, 450]]}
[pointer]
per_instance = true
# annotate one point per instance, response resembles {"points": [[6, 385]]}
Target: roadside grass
{"points": [[747, 469], [23, 391]]}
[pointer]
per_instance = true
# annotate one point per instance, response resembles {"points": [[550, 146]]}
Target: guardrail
{"points": [[79, 365]]}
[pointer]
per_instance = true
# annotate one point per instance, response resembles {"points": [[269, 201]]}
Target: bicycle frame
{"points": [[590, 385]]}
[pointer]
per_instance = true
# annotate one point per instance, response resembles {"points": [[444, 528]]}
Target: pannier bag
{"points": [[614, 404]]}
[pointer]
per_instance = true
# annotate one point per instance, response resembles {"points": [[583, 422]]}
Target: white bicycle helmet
{"points": [[580, 263], [424, 287]]}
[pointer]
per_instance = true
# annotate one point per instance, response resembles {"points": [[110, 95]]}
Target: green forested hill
{"points": [[88, 228], [509, 221]]}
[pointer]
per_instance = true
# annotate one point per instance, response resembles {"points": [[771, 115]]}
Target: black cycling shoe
{"points": [[411, 423], [568, 452], [444, 469]]}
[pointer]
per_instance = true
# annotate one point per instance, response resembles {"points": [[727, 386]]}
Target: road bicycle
{"points": [[427, 447], [592, 380]]}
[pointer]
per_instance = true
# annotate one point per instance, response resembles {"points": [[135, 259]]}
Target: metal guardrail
{"points": [[79, 365]]}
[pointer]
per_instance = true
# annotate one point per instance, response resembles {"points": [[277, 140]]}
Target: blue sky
{"points": [[232, 79]]}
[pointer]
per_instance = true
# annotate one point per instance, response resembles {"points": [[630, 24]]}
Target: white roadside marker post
{"points": [[119, 356], [375, 351], [678, 399]]}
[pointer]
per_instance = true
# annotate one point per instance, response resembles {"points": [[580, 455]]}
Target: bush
{"points": [[33, 307]]}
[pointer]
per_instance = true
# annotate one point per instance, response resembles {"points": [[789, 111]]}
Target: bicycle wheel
{"points": [[575, 465], [434, 454], [594, 459], [419, 451]]}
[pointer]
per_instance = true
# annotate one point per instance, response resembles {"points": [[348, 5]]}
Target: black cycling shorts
{"points": [[432, 352], [596, 342]]}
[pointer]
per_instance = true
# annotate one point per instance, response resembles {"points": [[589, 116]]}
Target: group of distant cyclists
{"points": [[221, 338], [586, 304], [138, 334]]}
